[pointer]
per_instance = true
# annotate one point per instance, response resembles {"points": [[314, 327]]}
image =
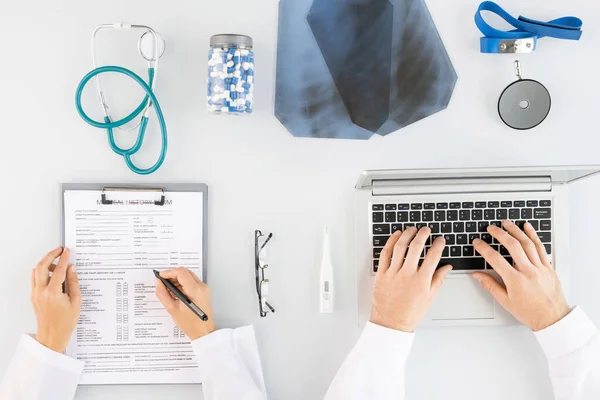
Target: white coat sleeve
{"points": [[572, 347], [38, 373], [229, 364], [374, 369]]}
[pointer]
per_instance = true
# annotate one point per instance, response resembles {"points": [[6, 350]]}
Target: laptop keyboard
{"points": [[460, 223]]}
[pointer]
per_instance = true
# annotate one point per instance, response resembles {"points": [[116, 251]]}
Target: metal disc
{"points": [[524, 104], [147, 48]]}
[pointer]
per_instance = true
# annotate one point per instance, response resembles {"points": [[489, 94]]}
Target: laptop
{"points": [[460, 204]]}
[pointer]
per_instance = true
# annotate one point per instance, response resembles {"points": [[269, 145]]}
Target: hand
{"points": [[532, 291], [403, 290], [195, 290], [57, 313]]}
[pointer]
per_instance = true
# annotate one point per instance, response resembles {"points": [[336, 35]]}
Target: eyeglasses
{"points": [[260, 264]]}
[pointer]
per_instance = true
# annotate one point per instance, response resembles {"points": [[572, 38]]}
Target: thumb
{"points": [[189, 285], [438, 278], [491, 285], [163, 295], [73, 285]]}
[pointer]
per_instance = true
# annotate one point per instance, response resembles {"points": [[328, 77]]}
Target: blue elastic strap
{"points": [[568, 28]]}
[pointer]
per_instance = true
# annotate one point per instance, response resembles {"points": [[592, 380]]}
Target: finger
{"points": [[492, 286], [73, 285], [416, 249], [162, 293], [60, 271], [499, 263], [526, 243], [541, 249], [438, 279], [188, 284], [432, 259], [512, 245], [42, 273], [385, 257], [400, 249]]}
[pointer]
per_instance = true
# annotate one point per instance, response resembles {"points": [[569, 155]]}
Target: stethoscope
{"points": [[151, 47]]}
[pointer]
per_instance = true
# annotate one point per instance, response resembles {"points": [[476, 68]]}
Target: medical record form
{"points": [[124, 335]]}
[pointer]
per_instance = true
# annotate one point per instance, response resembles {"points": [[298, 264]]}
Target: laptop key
{"points": [[504, 251], [514, 213], [526, 213], [380, 240], [455, 251], [445, 253], [396, 227], [468, 251], [486, 237], [381, 229], [474, 236], [455, 205], [464, 264], [502, 214], [429, 206], [390, 207], [464, 215], [548, 247], [390, 217], [545, 225], [480, 204], [427, 216], [506, 204], [532, 203], [377, 207], [542, 213], [435, 227], [520, 224], [377, 252], [489, 215], [452, 215], [403, 206], [440, 216], [446, 227], [377, 217], [468, 204], [545, 203], [409, 225], [520, 203], [477, 215], [471, 226], [450, 239], [433, 237], [545, 237], [421, 225], [493, 204], [442, 206], [482, 226], [402, 216], [415, 216], [535, 224], [458, 227], [462, 238], [497, 224], [375, 265], [416, 206]]}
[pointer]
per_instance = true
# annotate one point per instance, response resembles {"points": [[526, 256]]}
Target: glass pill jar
{"points": [[230, 75]]}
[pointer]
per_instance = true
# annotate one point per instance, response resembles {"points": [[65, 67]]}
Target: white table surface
{"points": [[261, 177]]}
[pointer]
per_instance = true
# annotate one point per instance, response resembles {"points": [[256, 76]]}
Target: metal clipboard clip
{"points": [[105, 201]]}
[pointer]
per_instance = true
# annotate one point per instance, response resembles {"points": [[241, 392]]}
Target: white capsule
{"points": [[245, 52], [229, 56], [216, 54], [230, 64], [246, 65], [232, 87], [226, 94], [213, 74], [239, 90], [242, 102], [250, 79], [237, 53], [237, 73], [223, 75]]}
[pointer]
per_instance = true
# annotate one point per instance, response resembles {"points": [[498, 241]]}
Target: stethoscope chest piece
{"points": [[525, 103]]}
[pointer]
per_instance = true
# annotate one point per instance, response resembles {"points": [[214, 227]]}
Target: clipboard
{"points": [[162, 193]]}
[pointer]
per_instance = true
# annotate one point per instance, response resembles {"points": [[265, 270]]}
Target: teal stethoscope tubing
{"points": [[110, 125]]}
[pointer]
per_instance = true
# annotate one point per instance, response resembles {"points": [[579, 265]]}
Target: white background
{"points": [[259, 176]]}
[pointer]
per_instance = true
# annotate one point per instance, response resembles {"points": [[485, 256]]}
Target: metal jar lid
{"points": [[231, 40]]}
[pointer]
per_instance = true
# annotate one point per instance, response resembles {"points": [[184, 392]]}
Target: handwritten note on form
{"points": [[124, 335]]}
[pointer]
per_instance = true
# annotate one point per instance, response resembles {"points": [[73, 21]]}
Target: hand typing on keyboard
{"points": [[404, 291], [532, 291]]}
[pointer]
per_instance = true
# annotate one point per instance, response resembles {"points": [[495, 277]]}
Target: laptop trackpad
{"points": [[461, 297]]}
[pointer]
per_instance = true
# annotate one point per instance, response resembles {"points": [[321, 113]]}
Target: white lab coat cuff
{"points": [[567, 335], [386, 343], [49, 357]]}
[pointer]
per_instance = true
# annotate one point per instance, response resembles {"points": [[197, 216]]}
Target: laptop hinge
{"points": [[461, 185]]}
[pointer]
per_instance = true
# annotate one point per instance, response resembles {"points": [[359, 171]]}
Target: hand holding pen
{"points": [[182, 312]]}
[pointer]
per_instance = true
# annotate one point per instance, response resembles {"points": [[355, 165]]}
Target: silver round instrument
{"points": [[524, 104]]}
